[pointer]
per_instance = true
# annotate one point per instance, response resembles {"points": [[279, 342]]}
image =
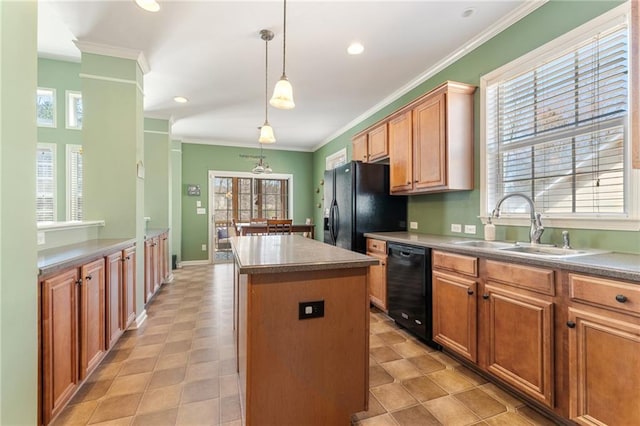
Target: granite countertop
{"points": [[611, 264], [154, 232], [56, 259], [264, 254]]}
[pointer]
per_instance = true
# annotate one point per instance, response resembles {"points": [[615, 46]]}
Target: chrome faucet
{"points": [[536, 223], [565, 240]]}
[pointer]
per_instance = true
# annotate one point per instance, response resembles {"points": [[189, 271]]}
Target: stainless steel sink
{"points": [[485, 244]]}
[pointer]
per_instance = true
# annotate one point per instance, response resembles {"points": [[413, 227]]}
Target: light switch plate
{"points": [[456, 227], [469, 229], [413, 225], [204, 247], [198, 203], [201, 210], [41, 239]]}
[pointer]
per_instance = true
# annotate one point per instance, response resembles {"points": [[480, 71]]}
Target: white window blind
{"points": [[557, 132], [74, 182], [45, 182]]}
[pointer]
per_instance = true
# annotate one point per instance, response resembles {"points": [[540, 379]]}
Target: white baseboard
{"points": [[194, 263], [140, 319], [169, 278]]}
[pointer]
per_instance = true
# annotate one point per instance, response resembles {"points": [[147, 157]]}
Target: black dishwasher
{"points": [[409, 289]]}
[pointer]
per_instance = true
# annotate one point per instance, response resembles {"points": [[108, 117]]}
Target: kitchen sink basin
{"points": [[485, 244], [547, 251]]}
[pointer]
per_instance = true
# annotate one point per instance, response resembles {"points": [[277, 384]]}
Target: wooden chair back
{"points": [[279, 226]]}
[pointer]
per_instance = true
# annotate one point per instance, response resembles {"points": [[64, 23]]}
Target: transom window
{"points": [[555, 127]]}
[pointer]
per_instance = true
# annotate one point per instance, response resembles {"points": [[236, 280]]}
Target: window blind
{"points": [[45, 183], [557, 132], [74, 185]]}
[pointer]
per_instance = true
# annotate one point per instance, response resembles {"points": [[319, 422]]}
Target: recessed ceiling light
{"points": [[148, 5], [355, 48], [468, 12], [181, 99]]}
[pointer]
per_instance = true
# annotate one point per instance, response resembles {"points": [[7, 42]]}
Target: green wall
{"points": [[436, 212], [61, 76], [197, 160], [18, 258], [176, 199], [157, 179]]}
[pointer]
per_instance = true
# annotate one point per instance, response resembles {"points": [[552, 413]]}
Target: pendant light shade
{"points": [[266, 133], [283, 92]]}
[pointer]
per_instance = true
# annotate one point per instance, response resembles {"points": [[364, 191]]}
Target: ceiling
{"points": [[211, 53]]}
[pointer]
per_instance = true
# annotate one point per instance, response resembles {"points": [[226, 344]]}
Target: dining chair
{"points": [[279, 226]]}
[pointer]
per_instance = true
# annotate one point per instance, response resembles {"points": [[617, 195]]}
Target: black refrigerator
{"points": [[357, 200]]}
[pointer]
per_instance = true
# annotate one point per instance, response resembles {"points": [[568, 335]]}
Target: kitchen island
{"points": [[302, 323]]}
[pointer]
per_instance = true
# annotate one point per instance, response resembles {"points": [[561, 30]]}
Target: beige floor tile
{"points": [[378, 376], [230, 408], [445, 359], [203, 355], [199, 413], [168, 377], [534, 417], [372, 361], [202, 370], [375, 341], [184, 325], [176, 336], [227, 366], [384, 354], [175, 347], [481, 403], [451, 412], [172, 361], [91, 391], [117, 355], [423, 388], [427, 364], [137, 365], [200, 390], [147, 351], [133, 383], [105, 372], [160, 399], [506, 398], [123, 421], [380, 327], [204, 342], [410, 349], [451, 381], [115, 408], [158, 418], [157, 329], [393, 396], [416, 415], [508, 419], [476, 379], [205, 331], [392, 337], [382, 420], [375, 409], [228, 385], [401, 369], [78, 414]]}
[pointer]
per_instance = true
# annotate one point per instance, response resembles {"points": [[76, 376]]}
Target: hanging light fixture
{"points": [[283, 93], [261, 166], [266, 131]]}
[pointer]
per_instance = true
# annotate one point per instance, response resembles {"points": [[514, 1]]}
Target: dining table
{"points": [[261, 228]]}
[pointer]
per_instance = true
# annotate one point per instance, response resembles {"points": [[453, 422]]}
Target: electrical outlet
{"points": [[204, 247], [469, 229], [308, 310], [198, 203], [456, 227], [413, 225]]}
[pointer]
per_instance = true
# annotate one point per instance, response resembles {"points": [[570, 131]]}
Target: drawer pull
{"points": [[88, 277], [621, 298], [571, 324], [485, 296], [469, 291]]}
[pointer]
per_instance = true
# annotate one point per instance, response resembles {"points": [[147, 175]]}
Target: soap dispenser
{"points": [[489, 230]]}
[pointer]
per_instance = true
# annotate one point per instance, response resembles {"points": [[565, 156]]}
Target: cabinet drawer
{"points": [[611, 294], [376, 246], [539, 280], [456, 262]]}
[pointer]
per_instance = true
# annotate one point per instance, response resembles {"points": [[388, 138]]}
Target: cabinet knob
{"points": [[409, 183], [78, 282], [621, 298], [485, 296], [571, 324], [469, 291], [383, 264], [415, 181], [88, 277]]}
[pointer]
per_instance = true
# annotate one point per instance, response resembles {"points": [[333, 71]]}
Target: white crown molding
{"points": [[271, 146], [156, 132], [58, 57], [488, 33], [114, 51]]}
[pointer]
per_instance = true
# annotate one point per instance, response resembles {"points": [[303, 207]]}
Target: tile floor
{"points": [[178, 369]]}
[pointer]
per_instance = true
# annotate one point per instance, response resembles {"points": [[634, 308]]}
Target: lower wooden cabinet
{"points": [[378, 273], [604, 351], [114, 298], [129, 286], [92, 316], [156, 264]]}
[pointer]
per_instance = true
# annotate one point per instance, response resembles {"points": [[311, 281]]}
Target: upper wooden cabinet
{"points": [[441, 139], [371, 145], [400, 153]]}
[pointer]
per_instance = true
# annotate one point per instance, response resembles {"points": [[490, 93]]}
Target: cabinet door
{"points": [[377, 142], [164, 258], [157, 280], [454, 313], [520, 341], [604, 369], [429, 141], [59, 341], [92, 316], [359, 149], [114, 298], [149, 269], [378, 281], [129, 286], [400, 153]]}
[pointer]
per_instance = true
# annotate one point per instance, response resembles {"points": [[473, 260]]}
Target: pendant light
{"points": [[261, 166], [266, 131], [283, 93]]}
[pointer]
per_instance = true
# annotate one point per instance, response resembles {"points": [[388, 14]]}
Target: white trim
{"points": [[510, 19], [176, 150], [279, 147], [615, 16], [194, 262], [114, 51], [140, 319], [61, 226], [67, 109], [170, 278], [157, 132], [330, 159], [111, 79], [54, 96]]}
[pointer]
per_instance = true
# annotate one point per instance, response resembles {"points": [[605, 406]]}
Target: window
{"points": [[74, 110], [556, 127], [46, 107], [271, 198], [336, 159], [45, 182], [74, 182]]}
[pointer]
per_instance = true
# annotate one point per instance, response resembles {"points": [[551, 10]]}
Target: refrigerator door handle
{"points": [[336, 220], [332, 222]]}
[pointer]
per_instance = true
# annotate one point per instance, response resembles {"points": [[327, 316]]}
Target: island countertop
{"points": [[265, 254]]}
